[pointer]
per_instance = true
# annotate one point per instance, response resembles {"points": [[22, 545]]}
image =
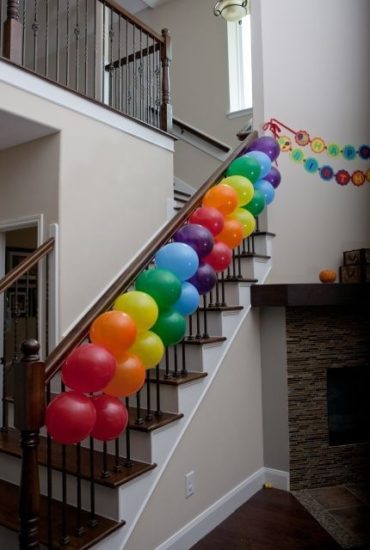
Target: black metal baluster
{"points": [[128, 461], [67, 45], [105, 472], [103, 80], [167, 368], [190, 337], [147, 78], [210, 303], [234, 263], [117, 462], [152, 100], [95, 92], [158, 411], [184, 371], [223, 302], [27, 305], [198, 335], [64, 530], [139, 420], [49, 477], [80, 529], [47, 38], [205, 335], [77, 32], [24, 35], [249, 248], [119, 65], [243, 248], [5, 418], [127, 70], [218, 303], [253, 244], [175, 373], [257, 225], [86, 45], [239, 275], [141, 70], [92, 519], [134, 79], [111, 38], [149, 414], [35, 28], [158, 90], [57, 44]]}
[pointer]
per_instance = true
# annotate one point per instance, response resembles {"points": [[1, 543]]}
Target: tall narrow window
{"points": [[240, 66]]}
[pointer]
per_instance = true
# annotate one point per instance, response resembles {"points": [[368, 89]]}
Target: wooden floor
{"points": [[270, 520]]}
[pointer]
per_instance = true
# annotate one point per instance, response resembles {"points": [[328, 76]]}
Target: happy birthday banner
{"points": [[319, 146]]}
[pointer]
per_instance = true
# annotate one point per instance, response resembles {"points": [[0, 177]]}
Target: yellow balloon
{"points": [[243, 188], [246, 219], [149, 348], [141, 307]]}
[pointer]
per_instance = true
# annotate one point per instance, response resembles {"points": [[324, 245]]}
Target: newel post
{"points": [[29, 412], [166, 58], [13, 33]]}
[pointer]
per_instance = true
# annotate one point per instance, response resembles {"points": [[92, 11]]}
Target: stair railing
{"points": [[95, 48], [81, 459]]}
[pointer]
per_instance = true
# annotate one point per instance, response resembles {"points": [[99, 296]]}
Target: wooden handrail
{"points": [[201, 135], [81, 330], [25, 265], [131, 17]]}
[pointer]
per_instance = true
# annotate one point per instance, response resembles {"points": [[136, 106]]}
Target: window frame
{"points": [[240, 68]]}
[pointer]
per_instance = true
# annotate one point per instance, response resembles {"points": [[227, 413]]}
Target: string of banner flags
{"points": [[301, 138]]}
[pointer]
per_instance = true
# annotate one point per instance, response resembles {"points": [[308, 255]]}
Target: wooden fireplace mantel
{"points": [[321, 294]]}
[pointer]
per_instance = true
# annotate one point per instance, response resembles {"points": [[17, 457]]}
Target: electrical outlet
{"points": [[189, 484]]}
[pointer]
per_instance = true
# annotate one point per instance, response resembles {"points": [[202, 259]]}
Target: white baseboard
{"points": [[205, 522]]}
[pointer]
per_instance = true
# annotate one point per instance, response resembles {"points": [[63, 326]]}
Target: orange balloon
{"points": [[232, 233], [223, 197], [115, 331], [129, 377]]}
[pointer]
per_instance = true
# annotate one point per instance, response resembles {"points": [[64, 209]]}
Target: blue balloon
{"points": [[179, 258], [189, 300], [267, 189], [263, 160]]}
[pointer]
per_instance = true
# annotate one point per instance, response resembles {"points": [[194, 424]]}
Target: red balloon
{"points": [[220, 257], [111, 417], [89, 368], [209, 217], [70, 417]]}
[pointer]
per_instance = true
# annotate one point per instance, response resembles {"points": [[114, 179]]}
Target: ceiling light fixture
{"points": [[231, 10]]}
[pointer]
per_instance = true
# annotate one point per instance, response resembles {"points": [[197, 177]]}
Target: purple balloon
{"points": [[273, 177], [267, 145], [204, 279], [196, 236]]}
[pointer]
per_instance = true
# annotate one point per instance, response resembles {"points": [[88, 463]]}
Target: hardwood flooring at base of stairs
{"points": [[270, 520]]}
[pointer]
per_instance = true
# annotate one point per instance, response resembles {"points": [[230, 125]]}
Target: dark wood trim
{"points": [[25, 265], [138, 55], [321, 294], [13, 33], [201, 135], [133, 19], [81, 330], [165, 112]]}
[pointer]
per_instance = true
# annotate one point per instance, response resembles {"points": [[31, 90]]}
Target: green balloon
{"points": [[170, 327], [245, 166], [160, 284], [257, 204]]}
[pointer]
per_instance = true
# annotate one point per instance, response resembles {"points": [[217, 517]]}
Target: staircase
{"points": [[94, 493]]}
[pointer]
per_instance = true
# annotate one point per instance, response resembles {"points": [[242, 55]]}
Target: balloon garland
{"points": [[318, 146], [131, 338]]}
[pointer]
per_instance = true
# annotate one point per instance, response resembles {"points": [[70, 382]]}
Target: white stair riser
{"points": [[263, 244]]}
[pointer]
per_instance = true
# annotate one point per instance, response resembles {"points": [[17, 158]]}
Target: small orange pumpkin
{"points": [[327, 276]]}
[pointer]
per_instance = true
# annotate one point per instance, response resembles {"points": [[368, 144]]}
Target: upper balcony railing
{"points": [[95, 48]]}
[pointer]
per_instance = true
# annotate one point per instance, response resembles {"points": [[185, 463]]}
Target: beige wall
{"points": [[316, 78], [107, 190], [199, 78], [223, 445]]}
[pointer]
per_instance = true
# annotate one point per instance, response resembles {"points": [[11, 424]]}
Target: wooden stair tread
{"points": [[263, 234], [221, 308], [92, 535], [9, 444], [157, 421], [201, 341], [180, 379], [180, 199], [183, 193]]}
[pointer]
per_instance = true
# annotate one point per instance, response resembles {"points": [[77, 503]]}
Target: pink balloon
{"points": [[111, 417], [89, 368], [70, 417]]}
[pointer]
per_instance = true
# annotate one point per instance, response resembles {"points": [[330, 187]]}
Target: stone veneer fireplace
{"points": [[327, 446]]}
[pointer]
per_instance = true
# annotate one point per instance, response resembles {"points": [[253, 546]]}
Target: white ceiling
{"points": [[134, 6], [15, 130]]}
